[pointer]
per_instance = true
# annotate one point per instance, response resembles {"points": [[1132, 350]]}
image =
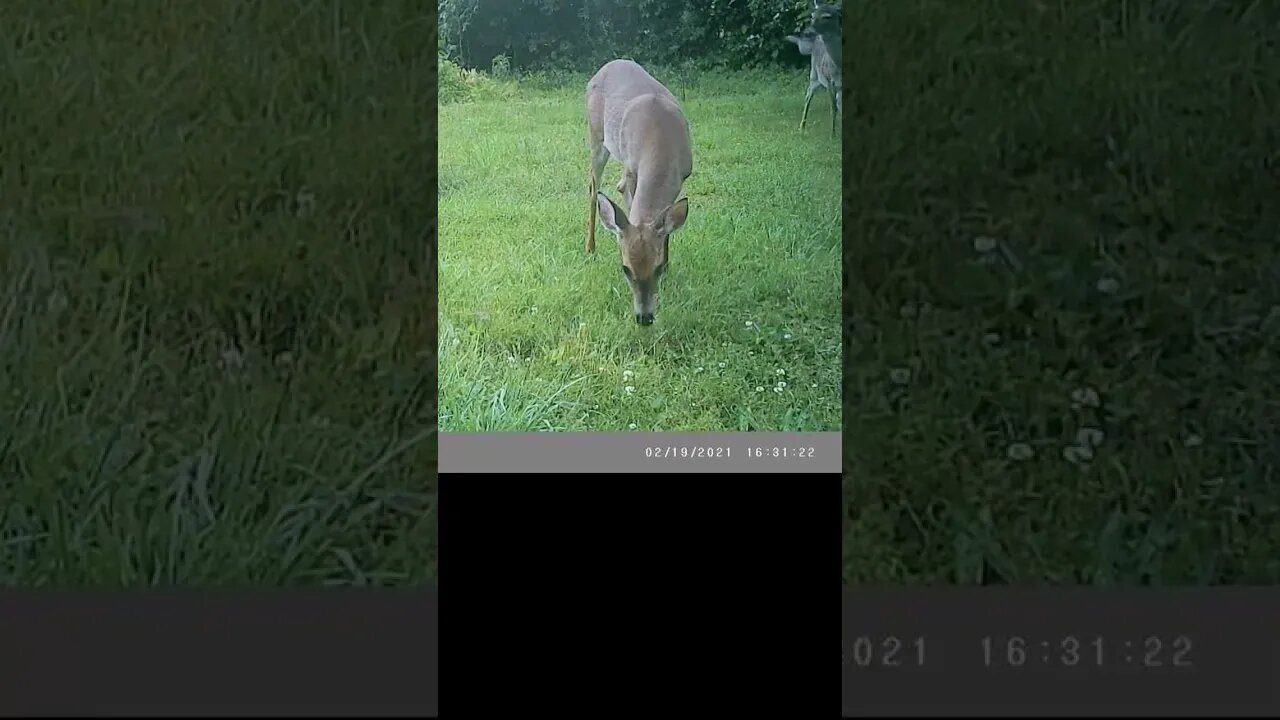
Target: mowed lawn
{"points": [[536, 335], [217, 317], [1064, 293]]}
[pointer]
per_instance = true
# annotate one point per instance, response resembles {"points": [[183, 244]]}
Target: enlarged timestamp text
{"points": [[888, 652]]}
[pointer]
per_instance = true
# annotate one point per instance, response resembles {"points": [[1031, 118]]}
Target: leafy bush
{"points": [[501, 66], [459, 84], [582, 34]]}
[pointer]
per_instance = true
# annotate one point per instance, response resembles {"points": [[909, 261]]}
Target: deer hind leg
{"points": [[835, 94]]}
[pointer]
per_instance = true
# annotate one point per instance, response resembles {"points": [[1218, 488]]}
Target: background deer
{"points": [[821, 42], [633, 117]]}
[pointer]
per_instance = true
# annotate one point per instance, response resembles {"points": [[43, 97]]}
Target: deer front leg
{"points": [[627, 186], [599, 156], [591, 214], [808, 98]]}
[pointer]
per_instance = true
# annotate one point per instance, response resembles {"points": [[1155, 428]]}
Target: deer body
{"points": [[633, 117], [821, 42]]}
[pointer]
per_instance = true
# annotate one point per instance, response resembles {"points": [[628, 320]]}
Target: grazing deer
{"points": [[821, 42], [633, 117]]}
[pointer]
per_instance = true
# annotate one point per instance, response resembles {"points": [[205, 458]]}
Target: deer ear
{"points": [[611, 215], [674, 216]]}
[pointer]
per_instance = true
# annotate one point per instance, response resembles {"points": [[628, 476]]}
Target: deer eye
{"points": [[627, 271]]}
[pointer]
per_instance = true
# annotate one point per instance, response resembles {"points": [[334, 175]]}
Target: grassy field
{"points": [[1063, 293], [217, 316], [536, 335]]}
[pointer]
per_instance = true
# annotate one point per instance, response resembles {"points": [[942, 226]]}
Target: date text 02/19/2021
{"points": [[684, 452], [687, 452]]}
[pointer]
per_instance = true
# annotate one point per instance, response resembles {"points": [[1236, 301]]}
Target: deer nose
{"points": [[645, 319]]}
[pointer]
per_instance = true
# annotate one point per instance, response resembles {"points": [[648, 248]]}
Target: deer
{"points": [[821, 42], [635, 118]]}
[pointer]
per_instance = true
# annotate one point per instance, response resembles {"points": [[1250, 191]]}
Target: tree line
{"points": [[582, 34]]}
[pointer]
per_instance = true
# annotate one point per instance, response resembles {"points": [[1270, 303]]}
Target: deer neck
{"points": [[656, 189]]}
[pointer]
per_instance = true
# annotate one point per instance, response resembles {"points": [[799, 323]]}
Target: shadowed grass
{"points": [[217, 315], [536, 335], [1120, 160]]}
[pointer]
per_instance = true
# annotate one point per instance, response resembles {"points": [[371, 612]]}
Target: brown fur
{"points": [[633, 117]]}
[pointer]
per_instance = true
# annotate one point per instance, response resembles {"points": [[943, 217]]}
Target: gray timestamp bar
{"points": [[1060, 652], [608, 453]]}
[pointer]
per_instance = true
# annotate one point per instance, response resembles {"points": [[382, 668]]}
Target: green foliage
{"points": [[454, 17], [1062, 228], [537, 335], [582, 34], [459, 84], [217, 287], [501, 66]]}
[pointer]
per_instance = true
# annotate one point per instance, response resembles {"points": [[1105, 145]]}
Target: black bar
{"points": [[645, 592], [319, 652]]}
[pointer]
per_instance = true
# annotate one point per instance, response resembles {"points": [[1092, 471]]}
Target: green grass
{"points": [[217, 317], [1124, 155], [536, 335]]}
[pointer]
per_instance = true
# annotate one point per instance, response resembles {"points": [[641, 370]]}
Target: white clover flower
{"points": [[984, 244], [57, 302], [1077, 454], [1089, 437], [231, 358], [1020, 451], [1085, 397], [1108, 285]]}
